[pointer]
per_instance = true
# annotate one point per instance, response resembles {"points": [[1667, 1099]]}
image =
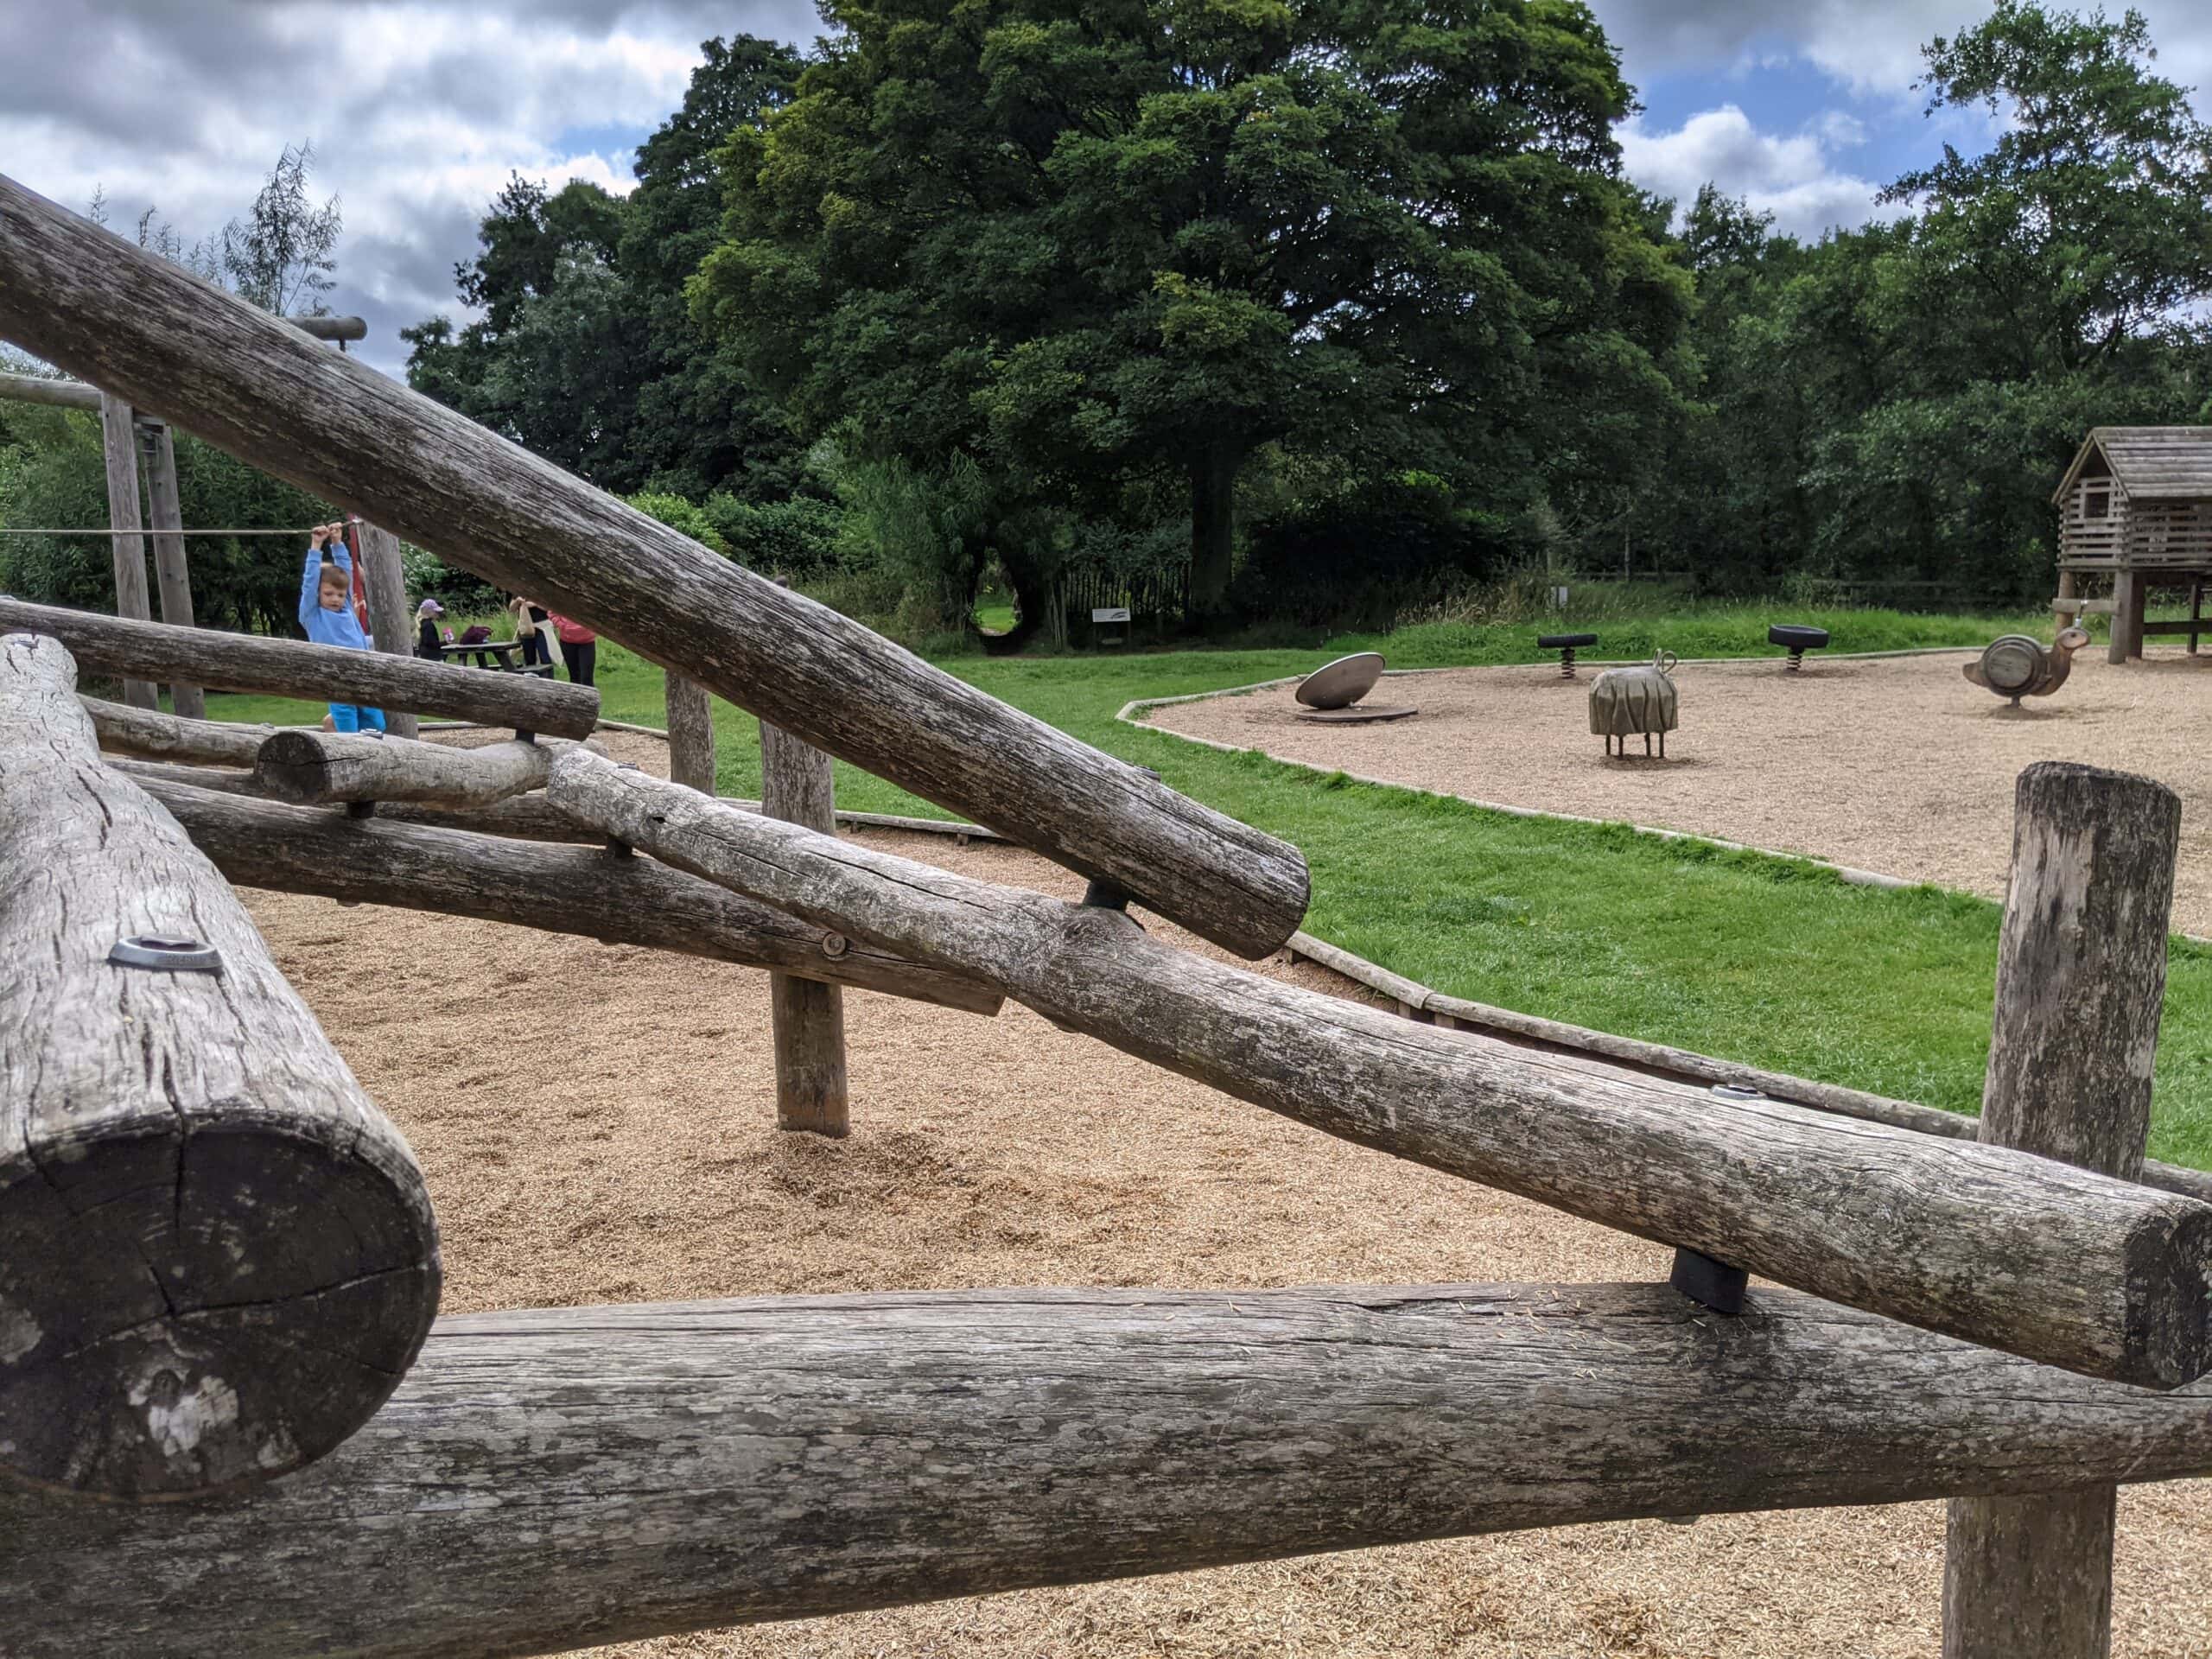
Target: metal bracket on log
{"points": [[1709, 1283], [166, 956]]}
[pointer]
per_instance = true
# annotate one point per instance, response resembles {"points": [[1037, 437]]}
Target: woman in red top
{"points": [[579, 647]]}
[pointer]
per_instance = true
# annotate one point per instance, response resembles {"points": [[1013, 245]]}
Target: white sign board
{"points": [[1111, 613]]}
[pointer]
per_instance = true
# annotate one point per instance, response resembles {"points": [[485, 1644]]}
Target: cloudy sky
{"points": [[419, 111]]}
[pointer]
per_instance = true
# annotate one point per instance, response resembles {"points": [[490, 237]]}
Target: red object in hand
{"points": [[361, 586]]}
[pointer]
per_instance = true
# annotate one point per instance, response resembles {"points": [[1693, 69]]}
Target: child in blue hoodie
{"points": [[326, 612]]}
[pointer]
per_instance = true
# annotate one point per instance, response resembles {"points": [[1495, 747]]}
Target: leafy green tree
{"points": [[554, 359], [1082, 244], [583, 349]]}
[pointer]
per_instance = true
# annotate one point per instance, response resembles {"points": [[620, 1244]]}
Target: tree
{"points": [[281, 256], [1086, 244], [583, 349]]}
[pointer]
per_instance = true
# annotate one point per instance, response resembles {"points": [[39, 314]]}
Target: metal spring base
{"points": [[1566, 662]]}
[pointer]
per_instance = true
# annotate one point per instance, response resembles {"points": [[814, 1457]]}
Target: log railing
{"points": [[217, 1256], [561, 1478], [557, 889], [295, 668], [149, 330], [2097, 1275]]}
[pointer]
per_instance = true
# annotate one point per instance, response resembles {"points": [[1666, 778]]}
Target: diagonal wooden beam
{"points": [[2017, 1252], [147, 328]]}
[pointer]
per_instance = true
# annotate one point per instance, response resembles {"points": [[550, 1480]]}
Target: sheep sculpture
{"points": [[1624, 701], [2018, 666]]}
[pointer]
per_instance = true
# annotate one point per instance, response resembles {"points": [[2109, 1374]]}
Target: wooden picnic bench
{"points": [[505, 650]]}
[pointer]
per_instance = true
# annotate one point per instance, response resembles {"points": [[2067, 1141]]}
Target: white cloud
{"points": [[1870, 47], [418, 109], [1792, 176]]}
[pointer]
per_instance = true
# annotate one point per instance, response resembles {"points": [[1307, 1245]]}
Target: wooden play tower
{"points": [[2137, 506]]}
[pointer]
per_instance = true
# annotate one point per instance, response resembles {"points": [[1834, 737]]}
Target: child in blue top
{"points": [[326, 612]]}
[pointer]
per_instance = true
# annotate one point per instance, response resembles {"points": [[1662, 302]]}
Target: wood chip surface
{"points": [[596, 1125]]}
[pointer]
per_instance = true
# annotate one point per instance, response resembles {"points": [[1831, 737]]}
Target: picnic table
{"points": [[505, 649]]}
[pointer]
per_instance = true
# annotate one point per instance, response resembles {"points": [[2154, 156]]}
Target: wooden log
{"points": [[798, 785], [2127, 597], [152, 734], [690, 734], [295, 668], [217, 1256], [521, 817], [390, 621], [55, 394], [119, 450], [89, 301], [556, 1479], [556, 889], [1683, 1066], [2081, 981], [338, 328], [1996, 1246], [172, 575], [312, 768], [1660, 1060]]}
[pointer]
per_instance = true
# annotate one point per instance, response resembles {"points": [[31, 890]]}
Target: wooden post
{"points": [[388, 616], [170, 570], [798, 785], [120, 449], [690, 734], [217, 1256], [2126, 616], [2081, 977]]}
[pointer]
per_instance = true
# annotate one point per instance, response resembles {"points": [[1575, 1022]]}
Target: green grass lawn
{"points": [[1767, 961]]}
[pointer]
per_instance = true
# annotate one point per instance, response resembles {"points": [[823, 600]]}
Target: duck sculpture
{"points": [[2019, 665]]}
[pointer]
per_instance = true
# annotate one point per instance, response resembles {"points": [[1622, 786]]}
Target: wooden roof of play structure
{"points": [[219, 1261], [2151, 463]]}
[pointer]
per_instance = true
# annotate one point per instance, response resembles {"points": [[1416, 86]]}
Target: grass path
{"points": [[1768, 961]]}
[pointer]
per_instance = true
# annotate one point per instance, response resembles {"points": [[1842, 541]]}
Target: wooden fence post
{"points": [[690, 734], [388, 618], [2081, 977], [120, 449], [171, 571], [796, 785]]}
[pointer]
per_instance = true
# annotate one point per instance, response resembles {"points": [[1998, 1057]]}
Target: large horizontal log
{"points": [[150, 734], [2001, 1248], [557, 1479], [556, 889], [312, 768], [217, 1256], [150, 331], [296, 668], [55, 394]]}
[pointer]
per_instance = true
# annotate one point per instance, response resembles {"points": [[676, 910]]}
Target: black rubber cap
{"points": [[1792, 638], [1561, 641]]}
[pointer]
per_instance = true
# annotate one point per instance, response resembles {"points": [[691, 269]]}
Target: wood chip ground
{"points": [[595, 1123]]}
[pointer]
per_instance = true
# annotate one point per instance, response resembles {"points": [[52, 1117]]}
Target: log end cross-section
{"points": [[217, 1256]]}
